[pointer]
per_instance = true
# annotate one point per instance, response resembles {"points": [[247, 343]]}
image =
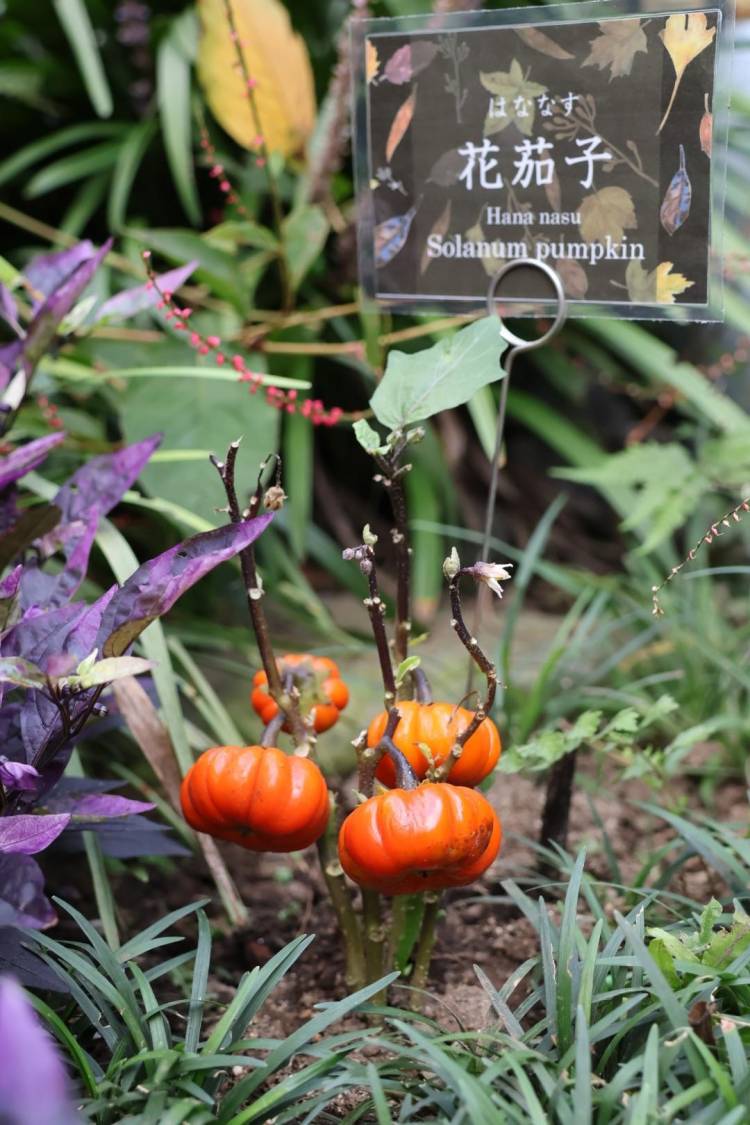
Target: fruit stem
{"points": [[286, 700], [422, 688], [272, 729], [365, 556], [471, 644]]}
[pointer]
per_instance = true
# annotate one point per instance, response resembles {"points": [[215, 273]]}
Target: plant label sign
{"points": [[588, 137]]}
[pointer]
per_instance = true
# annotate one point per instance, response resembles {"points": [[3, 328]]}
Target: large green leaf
{"points": [[197, 414], [416, 386]]}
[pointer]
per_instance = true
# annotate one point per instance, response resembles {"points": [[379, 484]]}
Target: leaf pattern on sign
{"points": [[391, 236], [490, 264], [401, 123], [540, 41], [675, 207], [552, 191], [607, 212], [641, 284], [684, 38], [706, 128], [408, 61], [441, 227], [669, 285], [372, 62], [616, 47], [659, 285], [447, 168], [519, 93], [574, 278]]}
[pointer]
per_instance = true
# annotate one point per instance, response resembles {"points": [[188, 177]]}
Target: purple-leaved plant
{"points": [[34, 1084], [57, 655]]}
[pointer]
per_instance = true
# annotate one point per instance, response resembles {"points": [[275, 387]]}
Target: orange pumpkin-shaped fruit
{"points": [[423, 839], [323, 694], [257, 797], [437, 725]]}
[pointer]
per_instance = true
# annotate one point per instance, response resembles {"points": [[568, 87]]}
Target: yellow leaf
{"points": [[401, 123], [515, 98], [669, 285], [607, 212], [276, 59], [684, 37], [490, 264], [372, 62]]}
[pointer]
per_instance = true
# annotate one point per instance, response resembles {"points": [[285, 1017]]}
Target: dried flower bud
{"points": [[492, 574], [452, 564], [274, 498]]}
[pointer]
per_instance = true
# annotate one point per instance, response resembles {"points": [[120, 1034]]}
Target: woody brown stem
{"points": [[284, 699], [485, 665], [557, 799], [375, 606], [392, 478], [369, 757]]}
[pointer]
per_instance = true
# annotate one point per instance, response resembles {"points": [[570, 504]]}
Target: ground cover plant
{"points": [[241, 521]]}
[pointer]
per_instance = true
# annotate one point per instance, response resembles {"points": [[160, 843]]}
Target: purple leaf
{"points": [[24, 965], [125, 838], [22, 893], [90, 493], [26, 457], [8, 310], [18, 776], [27, 835], [60, 301], [34, 1084], [132, 301], [156, 586], [97, 806], [10, 355], [47, 271]]}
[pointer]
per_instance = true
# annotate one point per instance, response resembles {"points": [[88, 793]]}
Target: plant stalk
{"points": [[425, 947], [558, 795], [375, 606], [333, 874], [285, 699]]}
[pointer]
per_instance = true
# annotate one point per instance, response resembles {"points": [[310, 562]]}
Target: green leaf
{"points": [[551, 745], [710, 915], [173, 95], [129, 158], [405, 667], [298, 448], [77, 26], [417, 385], [31, 154], [70, 168], [368, 437], [305, 232], [202, 414]]}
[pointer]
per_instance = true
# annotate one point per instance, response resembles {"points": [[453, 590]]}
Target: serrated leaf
{"points": [[608, 212], [616, 46], [275, 56], [416, 386]]}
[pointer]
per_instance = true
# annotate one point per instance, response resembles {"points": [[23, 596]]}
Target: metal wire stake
{"points": [[519, 346]]}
